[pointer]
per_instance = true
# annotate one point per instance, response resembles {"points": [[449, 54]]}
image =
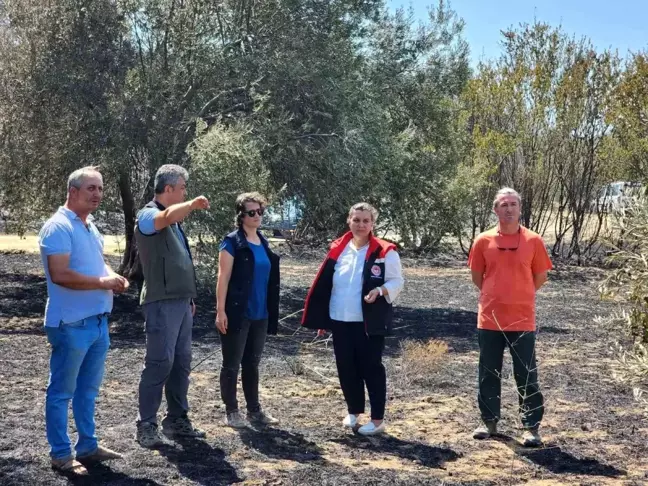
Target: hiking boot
{"points": [[261, 418], [100, 454], [69, 466], [149, 436], [531, 438], [485, 430], [181, 427], [234, 420]]}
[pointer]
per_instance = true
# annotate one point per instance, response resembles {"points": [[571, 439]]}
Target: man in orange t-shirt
{"points": [[509, 264]]}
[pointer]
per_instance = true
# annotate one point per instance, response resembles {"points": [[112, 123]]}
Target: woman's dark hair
{"points": [[246, 197]]}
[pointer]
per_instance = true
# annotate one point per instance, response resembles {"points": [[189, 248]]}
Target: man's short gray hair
{"points": [[76, 178], [168, 175], [506, 191]]}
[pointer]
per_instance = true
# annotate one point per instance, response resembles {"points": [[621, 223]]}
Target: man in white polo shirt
{"points": [[80, 288]]}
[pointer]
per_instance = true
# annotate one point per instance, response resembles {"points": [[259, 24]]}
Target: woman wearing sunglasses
{"points": [[352, 295], [247, 308]]}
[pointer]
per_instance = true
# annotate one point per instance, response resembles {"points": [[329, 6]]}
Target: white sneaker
{"points": [[350, 421], [372, 429], [234, 420]]}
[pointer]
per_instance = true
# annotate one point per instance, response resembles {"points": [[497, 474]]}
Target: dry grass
{"points": [[113, 244], [635, 363], [632, 369], [421, 360]]}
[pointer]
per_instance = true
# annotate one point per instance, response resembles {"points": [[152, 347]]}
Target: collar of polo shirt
{"points": [[72, 215]]}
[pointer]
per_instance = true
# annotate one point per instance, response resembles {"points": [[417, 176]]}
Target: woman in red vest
{"points": [[352, 296]]}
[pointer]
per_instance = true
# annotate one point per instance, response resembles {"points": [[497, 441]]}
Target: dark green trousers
{"points": [[491, 354]]}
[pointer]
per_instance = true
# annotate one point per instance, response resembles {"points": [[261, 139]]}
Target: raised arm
{"points": [[177, 212]]}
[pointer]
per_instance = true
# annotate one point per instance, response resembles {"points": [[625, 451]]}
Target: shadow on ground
{"points": [[99, 474], [423, 454], [281, 444], [559, 461], [200, 462], [15, 472]]}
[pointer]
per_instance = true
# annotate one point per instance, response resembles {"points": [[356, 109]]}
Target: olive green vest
{"points": [[168, 270]]}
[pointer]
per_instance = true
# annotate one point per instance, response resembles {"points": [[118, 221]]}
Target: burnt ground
{"points": [[595, 433]]}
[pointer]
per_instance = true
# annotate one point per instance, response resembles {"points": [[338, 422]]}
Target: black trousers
{"points": [[491, 354], [242, 348], [359, 362]]}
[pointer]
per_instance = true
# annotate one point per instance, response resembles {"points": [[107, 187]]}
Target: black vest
{"points": [[240, 284], [166, 264]]}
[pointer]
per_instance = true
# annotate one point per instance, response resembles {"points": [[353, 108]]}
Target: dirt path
{"points": [[595, 433]]}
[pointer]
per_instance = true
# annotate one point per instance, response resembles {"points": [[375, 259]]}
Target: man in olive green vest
{"points": [[167, 300]]}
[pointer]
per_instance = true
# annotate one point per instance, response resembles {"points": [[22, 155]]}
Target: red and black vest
{"points": [[377, 316]]}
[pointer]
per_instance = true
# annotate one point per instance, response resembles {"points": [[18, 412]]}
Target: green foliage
{"points": [[339, 101], [629, 280], [333, 102], [538, 122], [60, 64], [226, 161], [629, 115], [421, 73]]}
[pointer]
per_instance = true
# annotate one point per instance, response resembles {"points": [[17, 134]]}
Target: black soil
{"points": [[595, 432]]}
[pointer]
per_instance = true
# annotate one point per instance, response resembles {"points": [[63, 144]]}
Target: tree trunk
{"points": [[130, 266]]}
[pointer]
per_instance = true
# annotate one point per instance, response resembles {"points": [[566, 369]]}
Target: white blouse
{"points": [[346, 297]]}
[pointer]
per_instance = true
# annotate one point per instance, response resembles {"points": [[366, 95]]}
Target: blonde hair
{"points": [[364, 206]]}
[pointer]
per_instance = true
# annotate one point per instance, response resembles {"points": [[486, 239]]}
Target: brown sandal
{"points": [[70, 466]]}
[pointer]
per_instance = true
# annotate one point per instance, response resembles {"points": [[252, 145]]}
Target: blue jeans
{"points": [[79, 352]]}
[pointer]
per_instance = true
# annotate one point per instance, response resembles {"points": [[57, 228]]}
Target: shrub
{"points": [[421, 360], [629, 279]]}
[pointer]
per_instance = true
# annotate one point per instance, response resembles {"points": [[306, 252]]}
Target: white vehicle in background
{"points": [[617, 196]]}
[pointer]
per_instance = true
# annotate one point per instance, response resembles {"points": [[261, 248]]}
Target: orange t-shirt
{"points": [[507, 298]]}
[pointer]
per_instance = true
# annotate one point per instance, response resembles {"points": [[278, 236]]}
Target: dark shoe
{"points": [[261, 418], [181, 427], [69, 466], [485, 431], [531, 438], [149, 436], [100, 454]]}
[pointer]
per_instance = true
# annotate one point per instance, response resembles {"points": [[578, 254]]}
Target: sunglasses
{"points": [[509, 249], [252, 212]]}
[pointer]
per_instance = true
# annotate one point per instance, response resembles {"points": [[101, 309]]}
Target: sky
{"points": [[619, 24]]}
